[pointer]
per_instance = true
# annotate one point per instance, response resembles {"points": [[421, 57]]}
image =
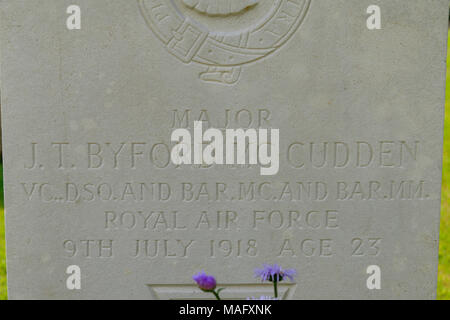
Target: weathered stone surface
{"points": [[88, 116]]}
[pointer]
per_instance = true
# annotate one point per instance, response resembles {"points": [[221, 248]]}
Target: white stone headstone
{"points": [[92, 94]]}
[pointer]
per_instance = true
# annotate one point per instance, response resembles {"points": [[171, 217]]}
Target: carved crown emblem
{"points": [[223, 53], [220, 7]]}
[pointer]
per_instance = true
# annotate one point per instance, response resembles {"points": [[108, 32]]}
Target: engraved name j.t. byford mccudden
{"points": [[196, 31]]}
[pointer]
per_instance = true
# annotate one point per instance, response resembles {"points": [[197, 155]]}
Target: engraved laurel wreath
{"points": [[223, 53]]}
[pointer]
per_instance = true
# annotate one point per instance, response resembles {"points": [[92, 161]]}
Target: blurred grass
{"points": [[3, 292], [444, 244]]}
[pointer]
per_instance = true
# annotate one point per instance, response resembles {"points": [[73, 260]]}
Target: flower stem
{"points": [[216, 295], [275, 287]]}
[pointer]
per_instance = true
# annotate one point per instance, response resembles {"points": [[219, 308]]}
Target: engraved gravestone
{"points": [[160, 138]]}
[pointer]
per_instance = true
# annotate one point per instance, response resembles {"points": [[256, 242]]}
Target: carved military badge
{"points": [[219, 7], [190, 30]]}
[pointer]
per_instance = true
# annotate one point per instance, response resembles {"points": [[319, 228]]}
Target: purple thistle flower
{"points": [[205, 282], [274, 273]]}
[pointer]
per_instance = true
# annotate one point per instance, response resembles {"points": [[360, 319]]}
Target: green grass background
{"points": [[444, 249], [444, 243], [3, 293]]}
